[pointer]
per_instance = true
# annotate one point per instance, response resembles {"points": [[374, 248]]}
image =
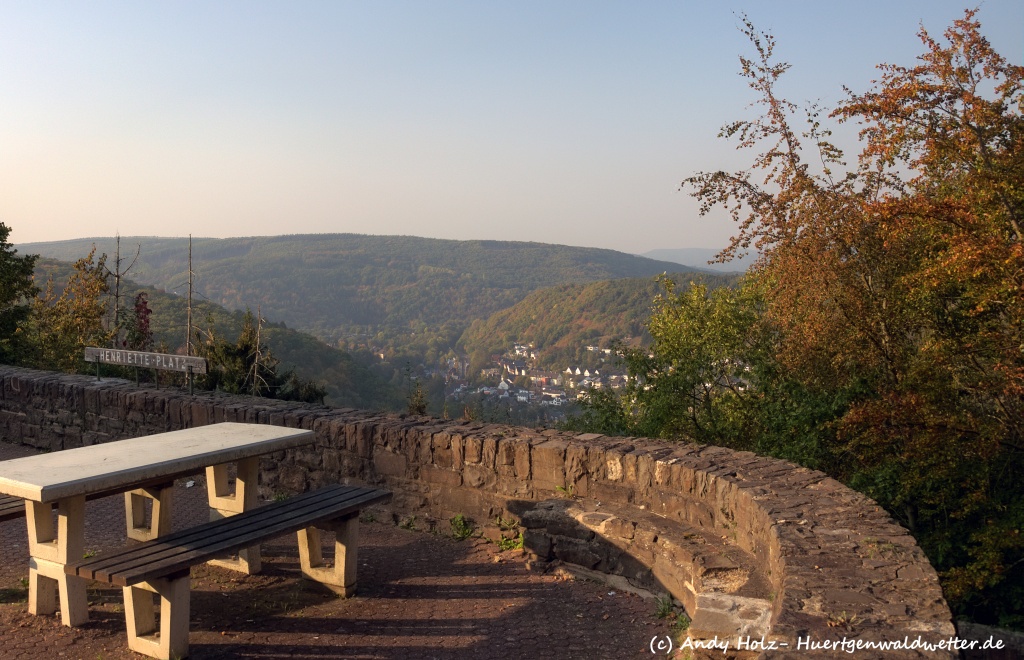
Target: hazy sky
{"points": [[554, 121]]}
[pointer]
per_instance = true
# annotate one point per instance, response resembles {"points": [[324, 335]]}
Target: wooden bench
{"points": [[162, 566], [11, 507]]}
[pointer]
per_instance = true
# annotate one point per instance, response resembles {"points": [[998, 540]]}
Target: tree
{"points": [[117, 276], [889, 317], [691, 377], [135, 323], [247, 366], [17, 289], [64, 324], [903, 280]]}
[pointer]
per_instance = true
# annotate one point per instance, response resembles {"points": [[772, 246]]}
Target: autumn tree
{"points": [[889, 323], [903, 278], [64, 323], [138, 336]]}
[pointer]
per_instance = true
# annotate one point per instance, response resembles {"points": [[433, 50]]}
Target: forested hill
{"points": [[348, 381], [562, 321], [349, 286]]}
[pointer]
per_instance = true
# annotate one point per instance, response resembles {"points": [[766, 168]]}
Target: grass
{"points": [[841, 620], [462, 528], [505, 542], [514, 543], [665, 608], [681, 624], [569, 492]]}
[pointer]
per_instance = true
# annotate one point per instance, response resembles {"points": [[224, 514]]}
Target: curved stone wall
{"points": [[751, 546]]}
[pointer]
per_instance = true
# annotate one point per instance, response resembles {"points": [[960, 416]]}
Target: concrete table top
{"points": [[123, 464]]}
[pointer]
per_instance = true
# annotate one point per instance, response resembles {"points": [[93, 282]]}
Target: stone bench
{"points": [[721, 587], [163, 565]]}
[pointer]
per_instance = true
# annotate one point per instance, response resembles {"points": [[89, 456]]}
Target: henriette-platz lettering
{"points": [[146, 360]]}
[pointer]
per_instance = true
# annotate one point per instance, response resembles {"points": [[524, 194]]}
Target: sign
{"points": [[146, 360]]}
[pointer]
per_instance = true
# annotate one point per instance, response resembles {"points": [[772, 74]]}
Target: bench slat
{"points": [[169, 542], [177, 552], [201, 536], [209, 538], [169, 555], [11, 507], [221, 537]]}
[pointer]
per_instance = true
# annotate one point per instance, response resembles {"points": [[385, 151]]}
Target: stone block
{"points": [[200, 414], [569, 528], [474, 449], [443, 457], [506, 453], [466, 501], [613, 468], [476, 476], [292, 479], [612, 493], [541, 515], [731, 617], [521, 451], [619, 528], [389, 463], [548, 464], [538, 543], [489, 452], [458, 452], [441, 476], [576, 552]]}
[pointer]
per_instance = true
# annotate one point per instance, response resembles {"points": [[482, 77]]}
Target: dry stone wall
{"points": [[754, 548]]}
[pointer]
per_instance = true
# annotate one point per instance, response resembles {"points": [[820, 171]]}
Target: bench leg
{"points": [[50, 548], [171, 639], [341, 578], [135, 510], [226, 502]]}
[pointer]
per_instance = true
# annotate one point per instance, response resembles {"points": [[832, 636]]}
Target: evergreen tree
{"points": [[247, 366], [17, 289]]}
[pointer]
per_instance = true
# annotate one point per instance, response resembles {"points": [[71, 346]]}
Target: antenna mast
{"points": [[188, 336]]}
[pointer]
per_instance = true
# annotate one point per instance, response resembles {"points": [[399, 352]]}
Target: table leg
{"points": [[50, 547], [341, 578], [168, 637], [160, 518], [227, 502]]}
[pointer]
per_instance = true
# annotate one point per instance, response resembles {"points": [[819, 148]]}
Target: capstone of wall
{"points": [[754, 548]]}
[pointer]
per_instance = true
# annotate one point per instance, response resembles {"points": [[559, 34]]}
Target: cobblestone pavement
{"points": [[420, 596]]}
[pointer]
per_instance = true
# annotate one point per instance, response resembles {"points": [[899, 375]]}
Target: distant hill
{"points": [[348, 382], [699, 257], [384, 290], [561, 321]]}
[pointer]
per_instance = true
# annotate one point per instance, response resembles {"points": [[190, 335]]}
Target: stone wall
{"points": [[749, 545]]}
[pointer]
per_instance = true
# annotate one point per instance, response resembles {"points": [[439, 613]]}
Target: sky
{"points": [[569, 122]]}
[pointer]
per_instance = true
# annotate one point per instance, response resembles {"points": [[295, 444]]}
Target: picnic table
{"points": [[144, 469]]}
